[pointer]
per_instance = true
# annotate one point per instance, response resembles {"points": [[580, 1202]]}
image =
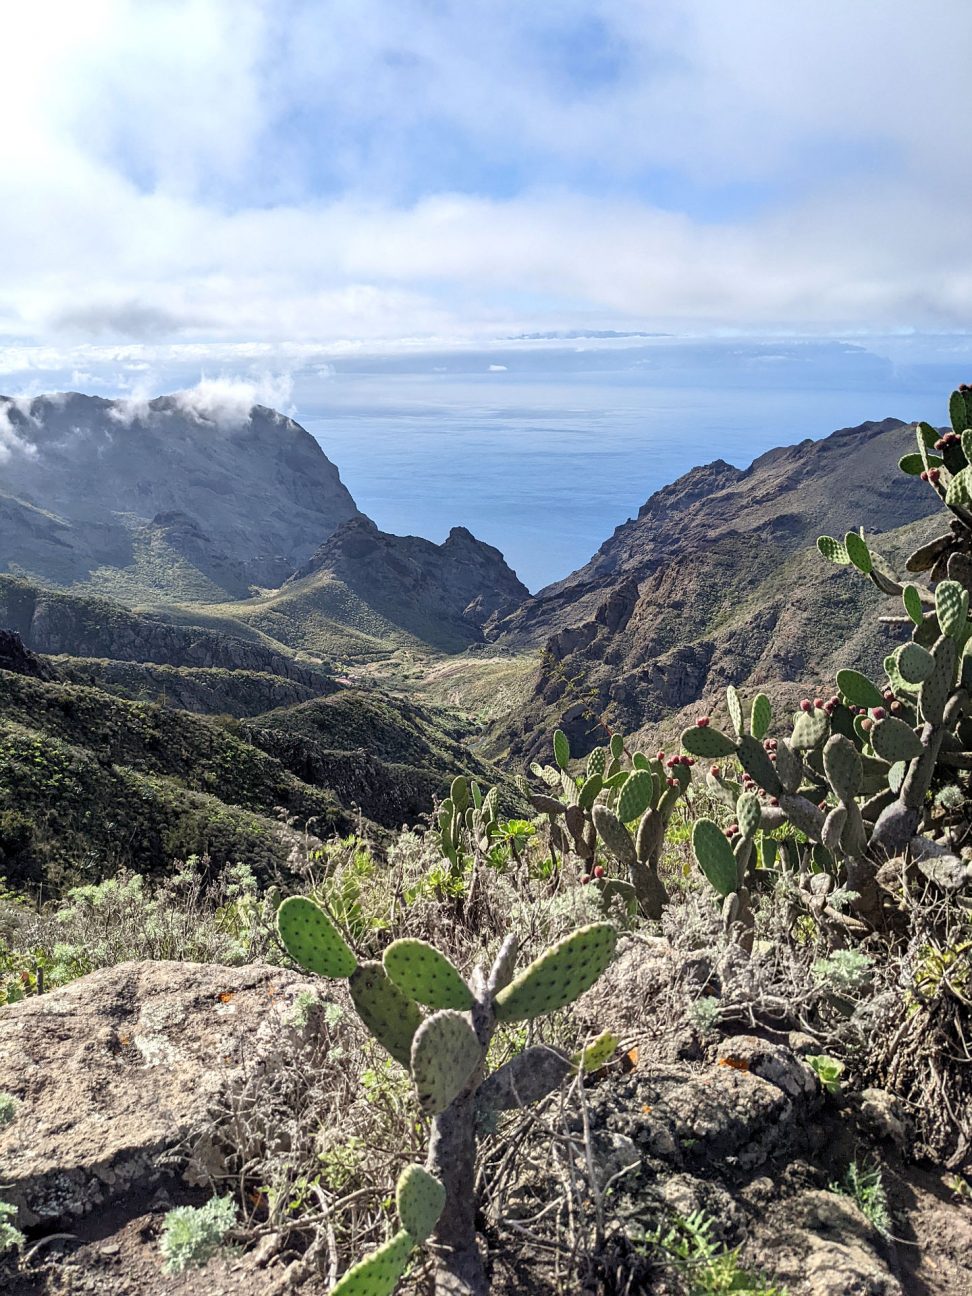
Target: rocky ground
{"points": [[117, 1074]]}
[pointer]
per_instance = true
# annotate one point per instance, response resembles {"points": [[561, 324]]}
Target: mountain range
{"points": [[207, 614]]}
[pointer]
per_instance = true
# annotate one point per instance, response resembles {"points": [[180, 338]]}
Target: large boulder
{"points": [[113, 1071]]}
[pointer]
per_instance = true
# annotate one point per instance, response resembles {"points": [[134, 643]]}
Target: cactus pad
{"points": [[312, 940], [445, 1053], [803, 814], [912, 603], [635, 796], [561, 748], [735, 710], [749, 814], [936, 688], [560, 975], [951, 607], [420, 1199], [833, 827], [389, 1014], [893, 740], [858, 552], [789, 767], [598, 1053], [914, 663], [810, 729], [378, 1273], [597, 762], [425, 975], [760, 716], [842, 765], [614, 835], [833, 550], [715, 856], [708, 743], [857, 688], [617, 746], [758, 765]]}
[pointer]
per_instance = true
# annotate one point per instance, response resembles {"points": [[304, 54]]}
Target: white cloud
{"points": [[11, 440], [197, 172], [228, 402]]}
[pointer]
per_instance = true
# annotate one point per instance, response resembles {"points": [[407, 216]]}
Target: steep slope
{"points": [[364, 594], [716, 581], [164, 500]]}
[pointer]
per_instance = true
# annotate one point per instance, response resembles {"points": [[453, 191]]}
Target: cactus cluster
{"points": [[624, 805], [445, 1052], [854, 774], [467, 821]]}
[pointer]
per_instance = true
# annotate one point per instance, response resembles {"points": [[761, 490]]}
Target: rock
{"points": [[15, 657], [771, 1062], [819, 1244], [113, 1070], [881, 1115], [727, 1113], [625, 999]]}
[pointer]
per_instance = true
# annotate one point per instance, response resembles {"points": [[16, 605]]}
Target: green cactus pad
{"points": [[597, 762], [734, 707], [312, 940], [803, 814], [858, 689], [749, 814], [854, 837], [617, 746], [459, 793], [959, 490], [896, 776], [912, 603], [951, 607], [789, 767], [445, 1053], [858, 552], [958, 412], [760, 716], [708, 743], [598, 1053], [614, 835], [561, 748], [914, 663], [558, 976], [833, 550], [635, 796], [756, 763], [425, 975], [842, 765], [810, 729], [937, 687], [420, 1199], [893, 740], [833, 827], [389, 1014], [714, 855], [590, 791], [616, 889], [915, 464], [378, 1273]]}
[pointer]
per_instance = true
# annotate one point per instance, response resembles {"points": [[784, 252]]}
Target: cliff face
{"points": [[717, 581], [444, 595], [162, 500]]}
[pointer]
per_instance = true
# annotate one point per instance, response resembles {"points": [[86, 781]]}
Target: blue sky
{"points": [[253, 184]]}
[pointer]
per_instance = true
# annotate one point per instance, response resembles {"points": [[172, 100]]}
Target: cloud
{"points": [[11, 440], [228, 402], [202, 172]]}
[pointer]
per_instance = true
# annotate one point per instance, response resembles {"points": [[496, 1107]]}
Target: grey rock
{"points": [[115, 1069]]}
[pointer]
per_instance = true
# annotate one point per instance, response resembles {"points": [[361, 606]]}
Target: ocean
{"points": [[545, 462]]}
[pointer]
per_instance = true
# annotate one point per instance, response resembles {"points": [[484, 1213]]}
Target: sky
{"points": [[255, 185]]}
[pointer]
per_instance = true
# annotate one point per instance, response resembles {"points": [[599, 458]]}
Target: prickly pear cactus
{"points": [[425, 975], [378, 1273], [312, 940], [559, 976]]}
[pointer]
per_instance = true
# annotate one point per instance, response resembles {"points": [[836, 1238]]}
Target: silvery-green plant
{"points": [[438, 1025]]}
